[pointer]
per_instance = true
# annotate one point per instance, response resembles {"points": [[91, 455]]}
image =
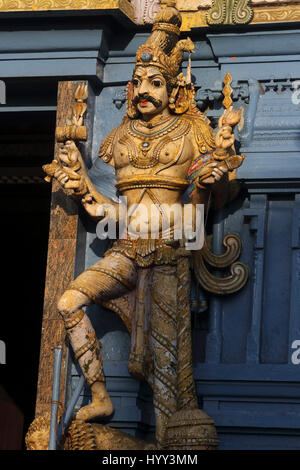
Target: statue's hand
{"points": [[224, 140], [65, 168], [68, 178], [212, 173], [224, 137], [69, 154], [93, 208]]}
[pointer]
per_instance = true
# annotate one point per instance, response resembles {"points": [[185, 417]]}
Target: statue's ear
{"points": [[132, 111], [180, 99]]}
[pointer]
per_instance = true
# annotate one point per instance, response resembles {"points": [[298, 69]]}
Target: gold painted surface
{"points": [[192, 5], [193, 12], [42, 5], [276, 14], [271, 12], [227, 91], [192, 20]]}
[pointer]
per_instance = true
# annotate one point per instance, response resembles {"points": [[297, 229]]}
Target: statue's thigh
{"points": [[111, 277]]}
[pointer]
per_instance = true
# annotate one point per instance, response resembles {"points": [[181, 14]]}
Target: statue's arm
{"points": [[212, 169], [69, 170]]}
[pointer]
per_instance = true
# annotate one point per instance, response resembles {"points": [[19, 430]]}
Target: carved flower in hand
{"points": [[231, 117]]}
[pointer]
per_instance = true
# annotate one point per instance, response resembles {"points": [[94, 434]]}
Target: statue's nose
{"points": [[144, 88]]}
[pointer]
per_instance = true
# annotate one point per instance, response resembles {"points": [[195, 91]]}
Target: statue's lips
{"points": [[144, 102]]}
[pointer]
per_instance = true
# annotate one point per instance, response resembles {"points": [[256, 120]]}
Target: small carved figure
{"points": [[163, 146]]}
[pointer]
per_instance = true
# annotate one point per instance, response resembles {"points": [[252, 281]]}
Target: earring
{"points": [[180, 98], [132, 111]]}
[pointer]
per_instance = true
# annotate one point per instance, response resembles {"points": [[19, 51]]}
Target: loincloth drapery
{"points": [[146, 252], [147, 282]]}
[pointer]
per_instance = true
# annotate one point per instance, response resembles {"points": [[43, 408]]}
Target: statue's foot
{"points": [[96, 409]]}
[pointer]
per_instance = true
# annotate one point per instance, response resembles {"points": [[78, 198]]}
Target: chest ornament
{"points": [[144, 148]]}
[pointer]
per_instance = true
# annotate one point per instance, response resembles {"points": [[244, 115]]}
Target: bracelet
{"points": [[218, 156]]}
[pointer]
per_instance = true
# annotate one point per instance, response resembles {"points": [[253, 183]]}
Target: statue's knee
{"points": [[71, 301], [64, 304]]}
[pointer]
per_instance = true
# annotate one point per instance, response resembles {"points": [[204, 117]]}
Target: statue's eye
{"points": [[135, 82], [157, 83]]}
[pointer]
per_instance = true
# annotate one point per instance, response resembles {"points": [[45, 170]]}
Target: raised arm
{"points": [[69, 170]]}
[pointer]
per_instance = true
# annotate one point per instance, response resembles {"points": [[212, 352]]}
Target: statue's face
{"points": [[149, 91]]}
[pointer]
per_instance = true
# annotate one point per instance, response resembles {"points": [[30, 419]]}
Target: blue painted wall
{"points": [[246, 380]]}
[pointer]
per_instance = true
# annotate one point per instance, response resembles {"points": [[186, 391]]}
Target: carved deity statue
{"points": [[164, 148]]}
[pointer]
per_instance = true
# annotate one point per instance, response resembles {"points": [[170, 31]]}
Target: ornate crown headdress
{"points": [[163, 48]]}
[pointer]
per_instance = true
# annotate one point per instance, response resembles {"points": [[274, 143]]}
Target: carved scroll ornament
{"points": [[230, 12], [238, 271]]}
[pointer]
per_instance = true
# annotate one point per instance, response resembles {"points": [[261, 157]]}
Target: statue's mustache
{"points": [[154, 101]]}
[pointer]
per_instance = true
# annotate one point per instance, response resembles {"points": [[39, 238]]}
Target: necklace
{"points": [[141, 159], [150, 125], [168, 128]]}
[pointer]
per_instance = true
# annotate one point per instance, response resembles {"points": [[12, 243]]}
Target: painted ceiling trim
{"points": [[195, 13]]}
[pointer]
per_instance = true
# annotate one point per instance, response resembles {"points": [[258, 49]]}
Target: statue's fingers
{"points": [[220, 121], [229, 141], [209, 180], [72, 174], [206, 173], [217, 176], [61, 176], [63, 179], [58, 173], [218, 171], [208, 167], [223, 168], [71, 184]]}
